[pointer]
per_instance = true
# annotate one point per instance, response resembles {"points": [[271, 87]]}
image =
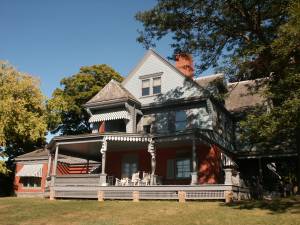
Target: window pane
{"points": [[183, 168], [156, 81], [156, 90], [180, 120], [145, 83], [145, 91], [180, 116]]}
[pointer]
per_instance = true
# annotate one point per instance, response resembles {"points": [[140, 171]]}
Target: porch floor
{"points": [[88, 187]]}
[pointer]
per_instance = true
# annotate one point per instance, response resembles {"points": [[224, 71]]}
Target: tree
{"points": [[22, 113], [234, 34], [281, 126], [65, 109]]}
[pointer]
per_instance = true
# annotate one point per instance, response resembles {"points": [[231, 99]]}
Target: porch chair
{"points": [[146, 178], [135, 179], [123, 182]]}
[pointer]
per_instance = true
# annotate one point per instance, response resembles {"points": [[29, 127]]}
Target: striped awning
{"points": [[123, 114], [34, 170]]}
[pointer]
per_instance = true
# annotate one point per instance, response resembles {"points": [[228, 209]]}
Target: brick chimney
{"points": [[184, 63]]}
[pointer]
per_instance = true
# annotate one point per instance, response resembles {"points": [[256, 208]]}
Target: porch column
{"points": [[49, 163], [228, 176], [194, 173], [54, 166], [152, 151], [55, 161], [103, 162]]}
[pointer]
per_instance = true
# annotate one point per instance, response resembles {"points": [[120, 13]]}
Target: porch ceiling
{"points": [[90, 149]]}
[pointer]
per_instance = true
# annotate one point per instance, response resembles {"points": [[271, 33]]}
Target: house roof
{"points": [[42, 154], [208, 80], [112, 92], [243, 95], [39, 153]]}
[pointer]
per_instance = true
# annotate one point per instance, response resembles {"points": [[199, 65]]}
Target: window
{"points": [[180, 120], [183, 168], [145, 87], [156, 85], [179, 168], [129, 165], [31, 182], [147, 129]]}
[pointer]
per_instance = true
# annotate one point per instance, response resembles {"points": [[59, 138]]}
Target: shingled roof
{"points": [[42, 154], [209, 80], [243, 95], [113, 91]]}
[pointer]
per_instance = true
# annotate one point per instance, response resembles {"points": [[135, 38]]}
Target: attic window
{"points": [[156, 85], [145, 87]]}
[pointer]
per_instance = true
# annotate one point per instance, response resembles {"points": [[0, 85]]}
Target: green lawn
{"points": [[41, 211]]}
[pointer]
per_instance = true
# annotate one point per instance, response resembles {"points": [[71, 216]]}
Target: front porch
{"points": [[185, 167]]}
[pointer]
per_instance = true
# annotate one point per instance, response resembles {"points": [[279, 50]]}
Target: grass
{"points": [[31, 211]]}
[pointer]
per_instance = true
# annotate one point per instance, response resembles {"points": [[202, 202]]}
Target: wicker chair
{"points": [[146, 179]]}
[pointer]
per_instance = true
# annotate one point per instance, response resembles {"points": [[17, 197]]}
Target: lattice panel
{"points": [[158, 195], [205, 195]]}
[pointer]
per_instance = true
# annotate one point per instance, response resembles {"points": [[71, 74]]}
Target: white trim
{"points": [[109, 116]]}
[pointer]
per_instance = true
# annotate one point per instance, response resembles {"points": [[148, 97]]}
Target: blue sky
{"points": [[53, 39]]}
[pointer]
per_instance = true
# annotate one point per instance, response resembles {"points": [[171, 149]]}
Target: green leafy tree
{"points": [[281, 126], [22, 113], [65, 108], [234, 34]]}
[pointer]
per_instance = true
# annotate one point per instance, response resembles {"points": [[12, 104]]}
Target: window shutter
{"points": [[170, 169]]}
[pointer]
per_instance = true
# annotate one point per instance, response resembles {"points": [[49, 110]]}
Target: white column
{"points": [[49, 163], [103, 154], [228, 176], [54, 168], [152, 151], [103, 162], [194, 173]]}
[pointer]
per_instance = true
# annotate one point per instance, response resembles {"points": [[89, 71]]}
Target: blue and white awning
{"points": [[33, 170], [123, 114]]}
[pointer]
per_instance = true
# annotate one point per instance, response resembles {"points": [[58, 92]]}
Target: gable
{"points": [[153, 65], [113, 91]]}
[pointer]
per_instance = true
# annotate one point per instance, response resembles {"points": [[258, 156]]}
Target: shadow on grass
{"points": [[280, 205]]}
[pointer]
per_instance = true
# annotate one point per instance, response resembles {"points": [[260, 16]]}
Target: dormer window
{"points": [[151, 84], [156, 85], [146, 87]]}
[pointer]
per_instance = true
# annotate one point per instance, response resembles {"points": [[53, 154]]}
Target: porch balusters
{"points": [[194, 174], [152, 151], [103, 162]]}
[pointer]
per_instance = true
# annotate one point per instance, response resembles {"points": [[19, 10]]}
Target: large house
{"points": [[160, 134]]}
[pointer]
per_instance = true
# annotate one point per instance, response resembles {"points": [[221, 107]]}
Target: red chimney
{"points": [[184, 63]]}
